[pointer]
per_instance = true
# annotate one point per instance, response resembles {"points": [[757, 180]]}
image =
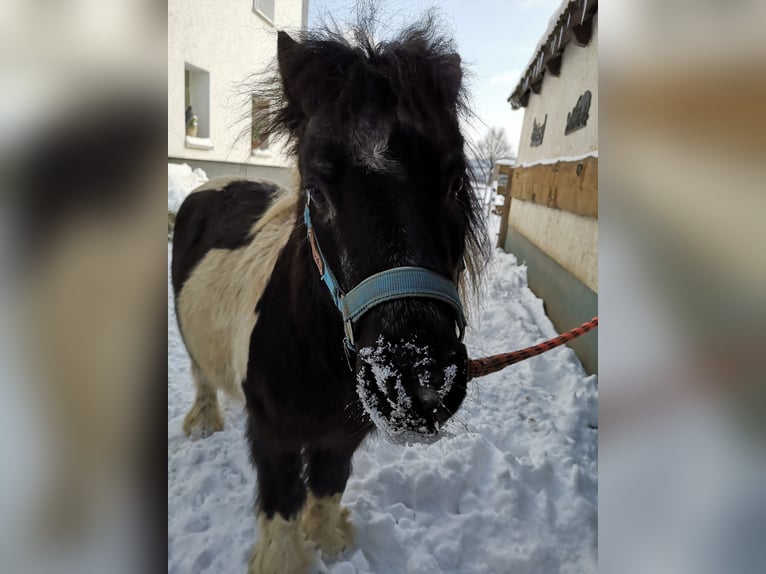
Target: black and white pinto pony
{"points": [[374, 128]]}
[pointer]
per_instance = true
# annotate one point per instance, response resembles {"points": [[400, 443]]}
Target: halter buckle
{"points": [[348, 329]]}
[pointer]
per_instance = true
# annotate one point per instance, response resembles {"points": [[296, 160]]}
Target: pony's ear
{"points": [[286, 48], [452, 74], [290, 58]]}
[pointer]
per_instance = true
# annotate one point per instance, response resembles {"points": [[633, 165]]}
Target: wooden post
{"points": [[506, 206]]}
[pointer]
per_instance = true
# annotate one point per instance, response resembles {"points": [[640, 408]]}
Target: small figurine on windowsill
{"points": [[192, 121]]}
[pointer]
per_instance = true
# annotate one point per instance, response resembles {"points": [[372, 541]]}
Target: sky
{"points": [[495, 40]]}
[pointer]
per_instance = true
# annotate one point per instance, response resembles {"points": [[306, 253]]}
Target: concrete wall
{"points": [[568, 302], [230, 41], [579, 72]]}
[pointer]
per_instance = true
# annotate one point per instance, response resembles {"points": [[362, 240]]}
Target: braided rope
{"points": [[492, 364]]}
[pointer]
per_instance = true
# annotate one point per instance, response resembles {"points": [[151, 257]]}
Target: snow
{"points": [[510, 487], [182, 179], [552, 22], [552, 160]]}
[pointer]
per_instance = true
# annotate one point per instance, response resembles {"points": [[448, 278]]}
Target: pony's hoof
{"points": [[281, 548], [327, 524], [200, 423]]}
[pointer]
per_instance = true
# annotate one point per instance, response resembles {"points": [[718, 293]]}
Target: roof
{"points": [[572, 21]]}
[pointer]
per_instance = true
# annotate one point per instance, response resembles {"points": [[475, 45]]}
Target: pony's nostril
{"points": [[428, 397]]}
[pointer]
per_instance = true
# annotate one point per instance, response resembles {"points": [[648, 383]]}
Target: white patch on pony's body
{"points": [[326, 524], [281, 547], [216, 306]]}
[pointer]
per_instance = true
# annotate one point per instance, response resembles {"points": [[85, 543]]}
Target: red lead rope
{"points": [[494, 363]]}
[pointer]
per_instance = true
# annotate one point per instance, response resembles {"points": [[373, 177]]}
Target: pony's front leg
{"points": [[281, 547], [325, 521]]}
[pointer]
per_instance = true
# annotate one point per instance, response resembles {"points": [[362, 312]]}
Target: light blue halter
{"points": [[388, 285]]}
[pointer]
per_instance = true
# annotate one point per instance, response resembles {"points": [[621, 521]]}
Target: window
{"points": [[197, 103], [265, 8], [259, 140]]}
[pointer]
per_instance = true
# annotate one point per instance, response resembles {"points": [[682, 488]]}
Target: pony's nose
{"points": [[431, 406]]}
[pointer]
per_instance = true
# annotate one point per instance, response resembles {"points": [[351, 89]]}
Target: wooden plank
{"points": [[568, 185], [506, 191]]}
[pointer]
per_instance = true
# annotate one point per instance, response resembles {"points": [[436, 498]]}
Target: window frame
{"points": [[264, 144], [260, 12], [197, 94]]}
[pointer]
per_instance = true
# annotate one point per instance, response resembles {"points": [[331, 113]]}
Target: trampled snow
{"points": [[511, 488]]}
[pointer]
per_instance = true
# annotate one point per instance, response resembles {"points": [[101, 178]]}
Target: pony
{"points": [[374, 128]]}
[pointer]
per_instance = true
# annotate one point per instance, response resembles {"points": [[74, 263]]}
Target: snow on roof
{"points": [[563, 158], [569, 14], [552, 21]]}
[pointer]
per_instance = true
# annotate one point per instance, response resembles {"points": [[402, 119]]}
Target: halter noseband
{"points": [[388, 285]]}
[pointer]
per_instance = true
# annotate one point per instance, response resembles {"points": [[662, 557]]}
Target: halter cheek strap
{"points": [[388, 285]]}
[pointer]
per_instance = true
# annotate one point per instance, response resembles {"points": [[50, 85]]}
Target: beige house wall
{"points": [[230, 41], [579, 72], [569, 239]]}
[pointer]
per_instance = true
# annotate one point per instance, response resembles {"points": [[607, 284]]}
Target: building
{"points": [[550, 217], [213, 48]]}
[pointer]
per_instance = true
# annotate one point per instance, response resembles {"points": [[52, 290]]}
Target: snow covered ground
{"points": [[512, 490]]}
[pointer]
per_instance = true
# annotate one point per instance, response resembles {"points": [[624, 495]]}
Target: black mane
{"points": [[403, 76]]}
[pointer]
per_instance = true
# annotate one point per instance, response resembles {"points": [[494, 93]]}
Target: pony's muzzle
{"points": [[410, 388]]}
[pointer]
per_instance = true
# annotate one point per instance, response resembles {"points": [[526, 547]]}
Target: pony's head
{"points": [[375, 129]]}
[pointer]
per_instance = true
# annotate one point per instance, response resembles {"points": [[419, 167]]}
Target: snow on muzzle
{"points": [[410, 390]]}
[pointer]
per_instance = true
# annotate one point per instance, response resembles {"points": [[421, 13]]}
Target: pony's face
{"points": [[411, 367], [381, 157]]}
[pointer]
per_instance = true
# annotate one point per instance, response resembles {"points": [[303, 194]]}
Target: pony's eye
{"points": [[317, 197], [456, 185]]}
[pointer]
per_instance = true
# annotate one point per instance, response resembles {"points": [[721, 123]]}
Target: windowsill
{"points": [[198, 143], [265, 153], [268, 20]]}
